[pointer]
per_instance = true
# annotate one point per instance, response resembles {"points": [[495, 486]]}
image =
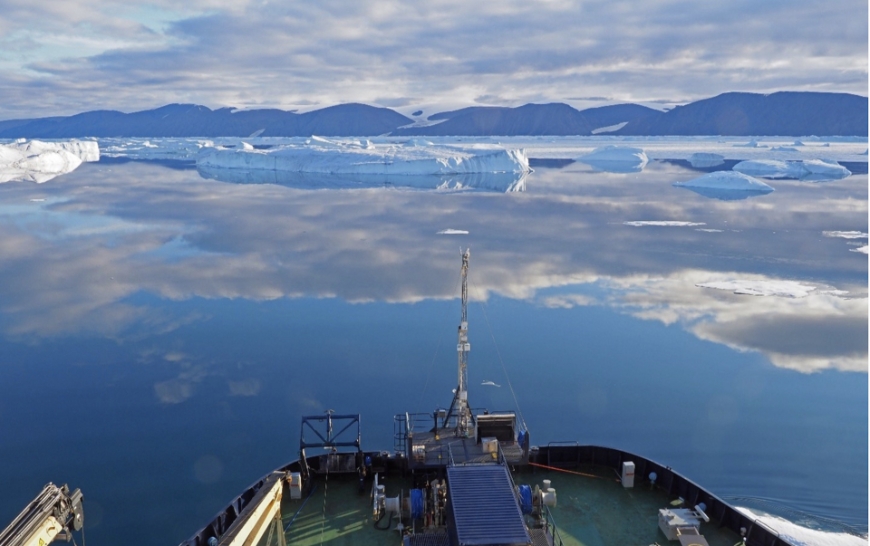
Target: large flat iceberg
{"points": [[39, 161], [810, 169], [362, 157], [616, 159], [726, 185]]}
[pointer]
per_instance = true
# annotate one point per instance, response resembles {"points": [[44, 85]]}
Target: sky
{"points": [[61, 57]]}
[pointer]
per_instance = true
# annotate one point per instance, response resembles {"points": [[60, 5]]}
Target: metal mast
{"points": [[463, 347]]}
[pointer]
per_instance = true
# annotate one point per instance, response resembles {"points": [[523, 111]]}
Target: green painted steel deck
{"points": [[593, 509]]}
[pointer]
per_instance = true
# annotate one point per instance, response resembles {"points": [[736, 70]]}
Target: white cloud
{"points": [[79, 55]]}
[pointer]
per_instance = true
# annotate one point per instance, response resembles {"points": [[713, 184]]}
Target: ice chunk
{"points": [[811, 169], [39, 161], [788, 289], [818, 169], [861, 249], [703, 159], [726, 185], [751, 144], [663, 223], [324, 156], [783, 149], [616, 159], [770, 168]]}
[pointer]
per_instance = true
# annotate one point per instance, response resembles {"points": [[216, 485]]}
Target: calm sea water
{"points": [[161, 333]]}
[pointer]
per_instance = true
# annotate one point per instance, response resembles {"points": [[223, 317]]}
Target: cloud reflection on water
{"points": [[74, 263]]}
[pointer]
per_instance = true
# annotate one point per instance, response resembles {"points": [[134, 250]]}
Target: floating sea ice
{"points": [[324, 156], [490, 384], [452, 232], [751, 144], [810, 169], [662, 223], [845, 234], [819, 170], [39, 161], [704, 159], [616, 159], [783, 149], [788, 289], [726, 185], [861, 249], [798, 143], [770, 168]]}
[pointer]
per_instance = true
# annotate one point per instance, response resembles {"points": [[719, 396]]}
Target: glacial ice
{"points": [[39, 161], [362, 157], [616, 159], [726, 185], [809, 169]]}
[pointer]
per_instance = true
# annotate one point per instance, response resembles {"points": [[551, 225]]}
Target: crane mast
{"points": [[463, 347]]}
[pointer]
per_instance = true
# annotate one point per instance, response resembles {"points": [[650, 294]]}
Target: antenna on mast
{"points": [[463, 347]]}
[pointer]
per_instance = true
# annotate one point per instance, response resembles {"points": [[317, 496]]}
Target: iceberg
{"points": [[616, 159], [703, 159], [726, 185], [500, 182], [360, 157], [820, 170], [809, 169], [39, 161]]}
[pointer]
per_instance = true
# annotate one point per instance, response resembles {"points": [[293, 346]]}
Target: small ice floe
{"points": [[845, 234], [38, 199], [452, 232], [787, 289], [798, 143], [662, 223], [616, 159], [39, 161], [861, 249], [490, 384], [726, 185], [705, 159], [811, 169], [751, 144], [783, 149], [709, 230]]}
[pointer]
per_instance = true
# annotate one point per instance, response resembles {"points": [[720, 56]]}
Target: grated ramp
{"points": [[484, 507]]}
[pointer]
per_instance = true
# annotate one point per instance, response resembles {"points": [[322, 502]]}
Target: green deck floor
{"points": [[591, 511]]}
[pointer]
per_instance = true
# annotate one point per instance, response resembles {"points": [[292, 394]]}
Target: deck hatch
{"points": [[485, 509]]}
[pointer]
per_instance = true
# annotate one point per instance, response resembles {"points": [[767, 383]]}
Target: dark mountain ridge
{"points": [[728, 114]]}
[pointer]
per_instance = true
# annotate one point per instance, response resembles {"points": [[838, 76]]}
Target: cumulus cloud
{"points": [[65, 57]]}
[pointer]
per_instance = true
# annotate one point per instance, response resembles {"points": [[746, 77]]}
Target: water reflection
{"points": [[76, 262], [500, 182]]}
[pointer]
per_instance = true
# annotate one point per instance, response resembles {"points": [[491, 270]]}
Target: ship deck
{"points": [[593, 509]]}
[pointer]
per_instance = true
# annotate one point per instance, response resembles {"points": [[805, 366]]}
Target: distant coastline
{"points": [[729, 114]]}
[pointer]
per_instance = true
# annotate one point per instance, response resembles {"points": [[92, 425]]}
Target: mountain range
{"points": [[728, 114]]}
